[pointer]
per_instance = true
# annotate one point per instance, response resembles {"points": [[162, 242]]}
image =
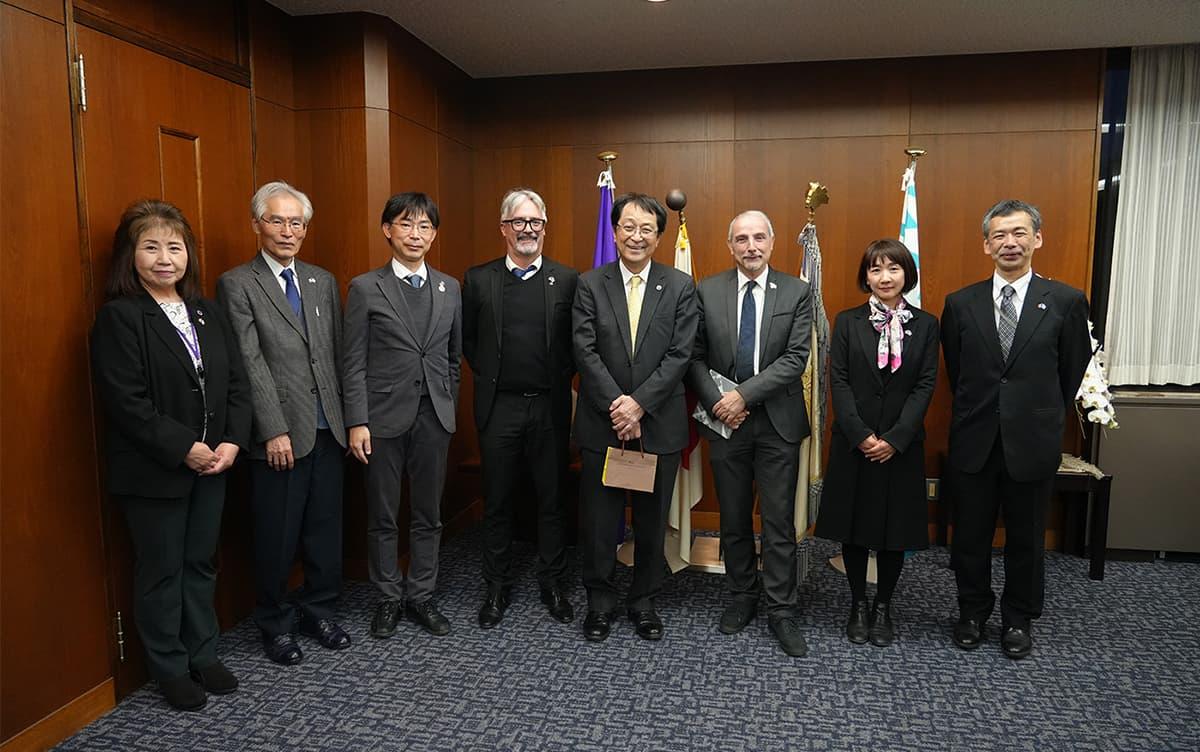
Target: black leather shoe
{"points": [[215, 679], [282, 649], [427, 615], [597, 625], [492, 610], [387, 614], [787, 630], [183, 693], [859, 624], [328, 633], [1016, 643], [968, 633], [882, 631], [647, 624], [736, 616], [558, 605]]}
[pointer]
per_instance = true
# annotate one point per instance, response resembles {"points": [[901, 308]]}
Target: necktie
{"points": [[635, 308], [415, 280], [743, 362], [520, 273], [293, 295], [1007, 325]]}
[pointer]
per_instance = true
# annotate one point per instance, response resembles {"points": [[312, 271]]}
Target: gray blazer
{"points": [[782, 350], [385, 362], [288, 363]]}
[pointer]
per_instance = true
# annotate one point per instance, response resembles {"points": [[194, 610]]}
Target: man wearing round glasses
{"points": [[517, 340]]}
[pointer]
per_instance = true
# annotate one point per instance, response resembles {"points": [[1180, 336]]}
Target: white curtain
{"points": [[1153, 330]]}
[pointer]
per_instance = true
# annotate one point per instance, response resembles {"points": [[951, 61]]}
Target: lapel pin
{"points": [[658, 287], [908, 332], [312, 280], [1042, 306], [550, 280], [318, 310], [441, 286], [772, 285]]}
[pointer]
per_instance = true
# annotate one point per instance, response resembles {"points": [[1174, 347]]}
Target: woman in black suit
{"points": [[883, 367], [169, 375]]}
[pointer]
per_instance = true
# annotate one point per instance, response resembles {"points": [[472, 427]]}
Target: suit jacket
{"points": [[287, 362], [652, 374], [862, 403], [1024, 398], [483, 293], [782, 350], [153, 398], [385, 360]]}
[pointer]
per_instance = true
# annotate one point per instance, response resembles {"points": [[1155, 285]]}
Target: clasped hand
{"points": [[731, 409], [876, 449], [205, 461], [626, 416]]}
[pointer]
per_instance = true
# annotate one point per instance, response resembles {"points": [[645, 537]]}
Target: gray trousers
{"points": [[421, 452], [756, 456]]}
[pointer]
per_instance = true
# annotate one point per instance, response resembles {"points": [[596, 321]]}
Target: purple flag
{"points": [[606, 247]]}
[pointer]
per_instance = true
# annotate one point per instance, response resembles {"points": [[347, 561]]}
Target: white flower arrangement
{"points": [[1094, 401]]}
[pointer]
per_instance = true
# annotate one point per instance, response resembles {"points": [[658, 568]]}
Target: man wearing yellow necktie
{"points": [[634, 327]]}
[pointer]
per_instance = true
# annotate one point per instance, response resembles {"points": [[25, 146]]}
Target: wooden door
{"points": [[156, 128]]}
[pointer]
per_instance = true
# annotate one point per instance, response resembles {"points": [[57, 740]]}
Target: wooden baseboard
{"points": [[356, 569], [66, 720]]}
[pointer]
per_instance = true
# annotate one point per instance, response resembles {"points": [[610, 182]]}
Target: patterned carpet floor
{"points": [[1116, 666]]}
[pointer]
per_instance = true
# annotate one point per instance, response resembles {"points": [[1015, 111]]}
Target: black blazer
{"points": [[782, 351], [652, 374], [152, 396], [483, 288], [862, 403], [1025, 398]]}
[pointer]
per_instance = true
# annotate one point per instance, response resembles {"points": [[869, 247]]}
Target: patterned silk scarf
{"points": [[889, 323]]}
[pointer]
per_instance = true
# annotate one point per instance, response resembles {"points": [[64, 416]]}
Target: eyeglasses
{"points": [[644, 230], [278, 223], [406, 227], [520, 223]]}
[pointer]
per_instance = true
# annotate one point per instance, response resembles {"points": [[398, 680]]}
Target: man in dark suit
{"points": [[286, 316], [635, 324], [1016, 347], [403, 346], [755, 324], [517, 340]]}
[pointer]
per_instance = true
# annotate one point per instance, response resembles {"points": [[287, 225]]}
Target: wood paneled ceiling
{"points": [[489, 39]]}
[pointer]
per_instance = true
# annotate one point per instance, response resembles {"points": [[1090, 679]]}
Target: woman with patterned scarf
{"points": [[883, 368]]}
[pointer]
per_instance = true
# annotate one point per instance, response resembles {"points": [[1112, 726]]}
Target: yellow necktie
{"points": [[635, 308]]}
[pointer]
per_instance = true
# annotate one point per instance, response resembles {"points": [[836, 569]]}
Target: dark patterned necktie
{"points": [[293, 295], [415, 280], [744, 360], [1007, 326]]}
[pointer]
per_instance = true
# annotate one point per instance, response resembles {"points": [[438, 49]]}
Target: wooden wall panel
{"points": [[328, 56], [412, 89], [271, 54], [51, 548], [51, 10], [414, 153], [211, 28], [276, 147]]}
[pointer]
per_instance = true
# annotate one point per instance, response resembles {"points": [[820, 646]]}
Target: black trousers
{"points": [[298, 508], [600, 516], [521, 440], [174, 578], [420, 453], [978, 497], [756, 455]]}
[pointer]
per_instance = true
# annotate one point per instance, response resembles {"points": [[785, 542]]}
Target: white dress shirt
{"points": [[401, 271], [277, 270], [627, 275], [534, 267], [760, 296], [1020, 286]]}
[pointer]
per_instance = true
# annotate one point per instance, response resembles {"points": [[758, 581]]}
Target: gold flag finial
{"points": [[607, 157], [816, 196], [914, 153]]}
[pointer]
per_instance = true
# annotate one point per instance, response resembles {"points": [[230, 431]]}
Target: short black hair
{"points": [[411, 204], [643, 202], [140, 216], [888, 250]]}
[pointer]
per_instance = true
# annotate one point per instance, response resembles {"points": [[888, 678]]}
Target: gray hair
{"points": [[1010, 206], [258, 204], [516, 196], [751, 213]]}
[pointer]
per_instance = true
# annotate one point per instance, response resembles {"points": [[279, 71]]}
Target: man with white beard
{"points": [[517, 341]]}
